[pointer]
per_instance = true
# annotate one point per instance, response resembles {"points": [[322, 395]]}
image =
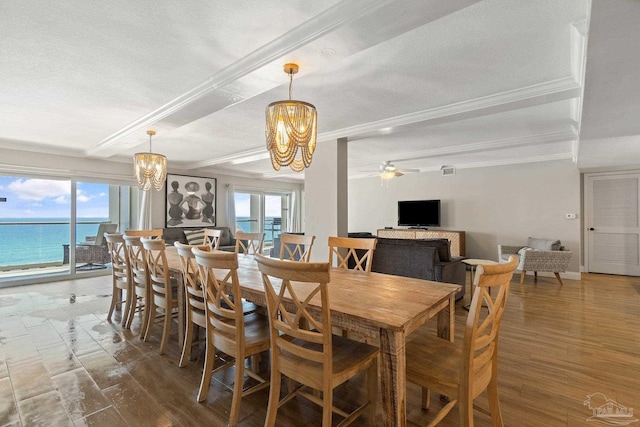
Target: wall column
{"points": [[326, 196]]}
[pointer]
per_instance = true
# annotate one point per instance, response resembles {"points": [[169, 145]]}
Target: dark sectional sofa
{"points": [[428, 259]]}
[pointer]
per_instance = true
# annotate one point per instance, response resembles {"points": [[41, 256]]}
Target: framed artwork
{"points": [[190, 201]]}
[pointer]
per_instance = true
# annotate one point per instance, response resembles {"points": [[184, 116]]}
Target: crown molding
{"points": [[551, 91], [322, 24], [475, 147]]}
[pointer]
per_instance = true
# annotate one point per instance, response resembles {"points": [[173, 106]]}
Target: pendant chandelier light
{"points": [[291, 128], [150, 168]]}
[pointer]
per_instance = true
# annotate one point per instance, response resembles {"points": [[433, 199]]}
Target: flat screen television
{"points": [[419, 213]]}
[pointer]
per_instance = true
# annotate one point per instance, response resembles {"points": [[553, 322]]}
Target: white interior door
{"points": [[612, 219]]}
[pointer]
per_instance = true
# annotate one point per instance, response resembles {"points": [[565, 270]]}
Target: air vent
{"points": [[448, 170]]}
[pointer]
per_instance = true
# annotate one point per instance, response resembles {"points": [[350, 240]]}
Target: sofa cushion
{"points": [[172, 235], [225, 237], [195, 237], [543, 244], [443, 247]]}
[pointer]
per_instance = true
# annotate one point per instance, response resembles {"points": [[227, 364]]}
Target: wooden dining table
{"points": [[384, 307]]}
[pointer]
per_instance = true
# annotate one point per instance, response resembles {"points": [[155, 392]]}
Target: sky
{"points": [[48, 198], [243, 205]]}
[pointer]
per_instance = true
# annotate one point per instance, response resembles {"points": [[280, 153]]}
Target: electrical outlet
{"points": [[570, 216]]}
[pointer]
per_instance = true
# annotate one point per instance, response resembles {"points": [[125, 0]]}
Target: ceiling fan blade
{"points": [[409, 170]]}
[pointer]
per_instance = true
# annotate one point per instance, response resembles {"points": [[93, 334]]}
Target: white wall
{"points": [[493, 205]]}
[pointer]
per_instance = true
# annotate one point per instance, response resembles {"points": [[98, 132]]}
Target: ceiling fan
{"points": [[389, 170]]}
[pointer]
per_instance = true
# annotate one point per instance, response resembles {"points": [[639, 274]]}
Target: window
{"points": [[258, 211], [39, 217]]}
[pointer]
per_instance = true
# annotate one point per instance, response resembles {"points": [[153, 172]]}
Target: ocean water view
{"points": [[40, 240], [26, 241]]}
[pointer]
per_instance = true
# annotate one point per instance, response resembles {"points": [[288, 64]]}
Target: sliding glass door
{"points": [[39, 217], [259, 211], [34, 225]]}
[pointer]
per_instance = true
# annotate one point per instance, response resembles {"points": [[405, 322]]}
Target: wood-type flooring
{"points": [[63, 364]]}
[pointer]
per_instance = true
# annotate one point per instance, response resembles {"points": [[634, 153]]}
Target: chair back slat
{"points": [[212, 238], [156, 258], [137, 263], [480, 345], [192, 285], [217, 271], [249, 243], [344, 250], [118, 254], [154, 233], [295, 247], [297, 329]]}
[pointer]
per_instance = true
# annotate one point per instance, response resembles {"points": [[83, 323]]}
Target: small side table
{"points": [[473, 263]]}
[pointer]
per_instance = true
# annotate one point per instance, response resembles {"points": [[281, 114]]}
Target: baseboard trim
{"points": [[571, 275]]}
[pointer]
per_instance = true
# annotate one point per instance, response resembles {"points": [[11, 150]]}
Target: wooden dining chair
{"points": [[194, 298], [120, 277], [229, 330], [249, 243], [296, 247], [462, 371], [357, 252], [312, 357], [155, 233], [140, 278], [212, 238], [163, 292]]}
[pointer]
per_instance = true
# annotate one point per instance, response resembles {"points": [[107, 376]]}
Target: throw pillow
{"points": [[526, 248], [543, 244], [195, 237]]}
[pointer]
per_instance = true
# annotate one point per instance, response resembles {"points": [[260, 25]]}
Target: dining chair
{"points": [[461, 371], [153, 233], [351, 252], [296, 247], [249, 243], [229, 330], [194, 298], [120, 277], [140, 278], [212, 238], [312, 357], [163, 291]]}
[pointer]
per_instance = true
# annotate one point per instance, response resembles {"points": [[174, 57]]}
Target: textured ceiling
{"points": [[424, 83]]}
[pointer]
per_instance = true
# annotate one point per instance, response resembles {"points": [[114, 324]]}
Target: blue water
{"points": [[39, 243], [268, 235], [42, 243]]}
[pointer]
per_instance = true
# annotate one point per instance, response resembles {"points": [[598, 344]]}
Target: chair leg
{"points": [[188, 342], [465, 408], [327, 406], [127, 308], [535, 277], [524, 273], [150, 311], [209, 359], [114, 297], [494, 403], [274, 398], [237, 392], [166, 327], [558, 277], [426, 398]]}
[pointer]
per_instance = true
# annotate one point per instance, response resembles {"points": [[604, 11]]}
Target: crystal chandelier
{"points": [[291, 127], [150, 168]]}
